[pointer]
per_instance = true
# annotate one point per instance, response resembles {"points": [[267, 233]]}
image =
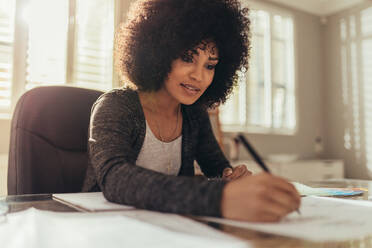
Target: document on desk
{"points": [[321, 219], [89, 202], [305, 190], [35, 228]]}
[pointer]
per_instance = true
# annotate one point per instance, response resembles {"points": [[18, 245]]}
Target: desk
{"points": [[258, 239]]}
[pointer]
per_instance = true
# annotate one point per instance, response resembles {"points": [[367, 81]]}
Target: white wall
{"points": [[4, 135]]}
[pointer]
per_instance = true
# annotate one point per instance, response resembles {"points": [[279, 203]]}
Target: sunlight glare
{"points": [[47, 22]]}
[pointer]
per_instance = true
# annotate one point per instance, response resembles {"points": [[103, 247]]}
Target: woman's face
{"points": [[191, 74]]}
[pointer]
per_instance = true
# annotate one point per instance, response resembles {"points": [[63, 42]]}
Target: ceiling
{"points": [[319, 7]]}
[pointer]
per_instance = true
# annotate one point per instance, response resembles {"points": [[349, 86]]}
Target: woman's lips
{"points": [[190, 89]]}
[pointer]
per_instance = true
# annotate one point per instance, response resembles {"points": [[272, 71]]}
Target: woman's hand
{"points": [[259, 198], [235, 173]]}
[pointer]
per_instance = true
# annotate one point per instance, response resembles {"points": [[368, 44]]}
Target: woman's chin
{"points": [[188, 100]]}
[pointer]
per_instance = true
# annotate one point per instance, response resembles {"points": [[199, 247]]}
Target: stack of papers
{"points": [[309, 191]]}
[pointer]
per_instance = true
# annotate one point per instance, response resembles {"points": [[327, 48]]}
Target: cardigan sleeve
{"points": [[112, 136], [209, 155]]}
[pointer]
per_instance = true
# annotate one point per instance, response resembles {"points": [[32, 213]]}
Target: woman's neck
{"points": [[159, 102]]}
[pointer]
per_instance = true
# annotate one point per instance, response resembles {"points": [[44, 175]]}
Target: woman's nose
{"points": [[197, 73]]}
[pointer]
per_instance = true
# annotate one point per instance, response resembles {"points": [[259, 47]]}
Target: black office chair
{"points": [[48, 140]]}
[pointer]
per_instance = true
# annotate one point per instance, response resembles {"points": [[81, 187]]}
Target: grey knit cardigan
{"points": [[116, 135]]}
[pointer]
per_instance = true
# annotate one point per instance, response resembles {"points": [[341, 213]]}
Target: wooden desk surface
{"points": [[258, 239]]}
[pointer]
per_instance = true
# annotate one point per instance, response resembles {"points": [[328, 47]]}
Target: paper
{"points": [[176, 223], [90, 201], [43, 229], [321, 219], [309, 191]]}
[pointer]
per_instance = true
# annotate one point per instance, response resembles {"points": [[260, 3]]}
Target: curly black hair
{"points": [[159, 31]]}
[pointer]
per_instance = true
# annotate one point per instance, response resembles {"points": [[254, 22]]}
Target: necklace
{"points": [[169, 164], [175, 128]]}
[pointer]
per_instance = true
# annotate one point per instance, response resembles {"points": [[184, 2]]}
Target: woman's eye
{"points": [[211, 67]]}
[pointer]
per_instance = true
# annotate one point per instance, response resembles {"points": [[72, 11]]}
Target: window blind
{"points": [[47, 24], [258, 84], [356, 63], [93, 44], [7, 12], [264, 100], [56, 42], [366, 54]]}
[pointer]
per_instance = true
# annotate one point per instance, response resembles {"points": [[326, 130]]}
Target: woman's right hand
{"points": [[259, 198]]}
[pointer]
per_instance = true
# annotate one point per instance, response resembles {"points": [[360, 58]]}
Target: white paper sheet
{"points": [[321, 219], [42, 229], [90, 201]]}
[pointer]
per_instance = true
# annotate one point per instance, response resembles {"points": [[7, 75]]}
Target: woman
{"points": [[180, 58]]}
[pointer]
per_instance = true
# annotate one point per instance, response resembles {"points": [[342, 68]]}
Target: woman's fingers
{"points": [[282, 203], [262, 197], [236, 172], [227, 172], [285, 189]]}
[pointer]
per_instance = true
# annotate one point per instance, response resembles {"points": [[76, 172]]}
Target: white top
{"points": [[163, 157]]}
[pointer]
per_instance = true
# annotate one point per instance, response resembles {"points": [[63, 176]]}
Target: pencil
{"points": [[255, 156]]}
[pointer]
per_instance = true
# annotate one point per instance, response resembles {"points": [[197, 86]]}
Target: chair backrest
{"points": [[48, 140]]}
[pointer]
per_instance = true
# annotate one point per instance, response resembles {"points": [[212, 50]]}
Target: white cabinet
{"points": [[301, 170]]}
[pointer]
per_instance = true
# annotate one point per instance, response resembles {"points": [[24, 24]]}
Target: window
{"points": [[93, 65], [366, 60], [7, 12], [356, 63], [264, 100], [46, 23], [54, 42]]}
